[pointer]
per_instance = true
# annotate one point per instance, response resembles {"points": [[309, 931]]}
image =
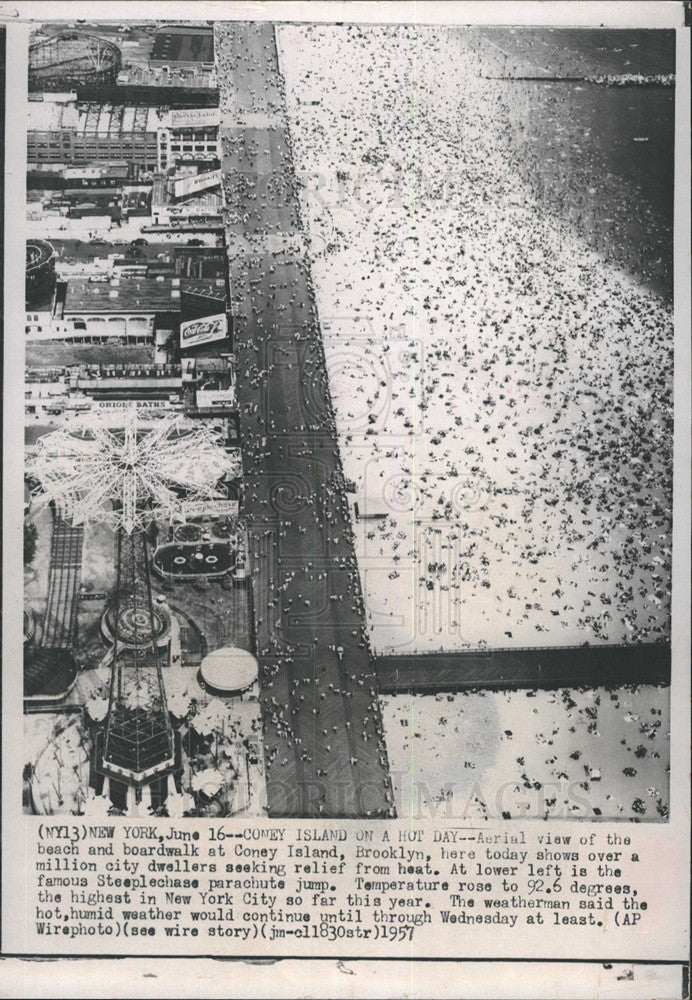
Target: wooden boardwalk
{"points": [[323, 739]]}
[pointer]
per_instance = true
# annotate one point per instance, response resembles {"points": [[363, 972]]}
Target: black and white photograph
{"points": [[346, 451], [348, 421]]}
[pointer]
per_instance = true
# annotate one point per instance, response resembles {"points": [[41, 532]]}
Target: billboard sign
{"points": [[205, 508], [127, 404], [176, 212], [194, 117], [197, 182], [203, 331], [209, 398]]}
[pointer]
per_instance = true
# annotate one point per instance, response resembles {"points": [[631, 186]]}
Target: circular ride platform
{"points": [[187, 533], [228, 671], [135, 626], [188, 561]]}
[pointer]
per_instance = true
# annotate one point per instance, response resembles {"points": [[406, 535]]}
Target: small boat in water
{"points": [[640, 138]]}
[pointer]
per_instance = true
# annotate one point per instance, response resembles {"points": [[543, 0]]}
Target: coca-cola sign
{"points": [[203, 331]]}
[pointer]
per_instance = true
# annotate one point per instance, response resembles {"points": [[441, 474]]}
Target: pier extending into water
{"points": [[537, 667]]}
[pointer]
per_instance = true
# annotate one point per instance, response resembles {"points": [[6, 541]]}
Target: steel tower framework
{"points": [[139, 743], [107, 467]]}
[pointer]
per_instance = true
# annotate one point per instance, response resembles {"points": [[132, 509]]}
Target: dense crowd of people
{"points": [[321, 711], [484, 362], [501, 397]]}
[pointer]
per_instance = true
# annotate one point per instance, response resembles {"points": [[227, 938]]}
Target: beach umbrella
{"points": [[209, 781]]}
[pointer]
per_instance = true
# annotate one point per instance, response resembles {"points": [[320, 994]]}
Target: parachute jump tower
{"points": [[110, 468]]}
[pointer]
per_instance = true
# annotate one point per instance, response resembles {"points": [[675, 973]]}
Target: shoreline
{"points": [[381, 237]]}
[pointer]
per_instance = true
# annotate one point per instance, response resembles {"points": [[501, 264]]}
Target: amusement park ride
{"points": [[72, 58], [108, 467]]}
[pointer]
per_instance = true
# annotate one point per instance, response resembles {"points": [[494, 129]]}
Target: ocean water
{"points": [[600, 157], [580, 52]]}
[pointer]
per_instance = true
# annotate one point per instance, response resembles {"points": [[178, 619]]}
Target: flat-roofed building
{"points": [[125, 309], [188, 134], [183, 46], [204, 387], [81, 134], [60, 132]]}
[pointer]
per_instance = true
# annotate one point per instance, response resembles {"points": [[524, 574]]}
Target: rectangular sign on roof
{"points": [[210, 398], [198, 182], [203, 331], [194, 117]]}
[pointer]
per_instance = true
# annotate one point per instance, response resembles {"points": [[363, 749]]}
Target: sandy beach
{"points": [[531, 754], [502, 391]]}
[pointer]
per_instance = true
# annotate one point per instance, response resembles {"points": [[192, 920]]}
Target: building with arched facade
{"points": [[124, 309]]}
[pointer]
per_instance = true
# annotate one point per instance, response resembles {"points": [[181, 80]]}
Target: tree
{"points": [[30, 541]]}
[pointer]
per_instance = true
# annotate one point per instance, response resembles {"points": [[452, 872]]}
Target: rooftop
{"points": [[185, 261], [105, 119], [45, 116], [133, 293], [109, 118], [194, 45]]}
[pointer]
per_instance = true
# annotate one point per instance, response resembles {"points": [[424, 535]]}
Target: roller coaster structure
{"points": [[70, 59]]}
